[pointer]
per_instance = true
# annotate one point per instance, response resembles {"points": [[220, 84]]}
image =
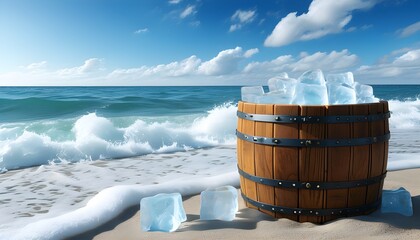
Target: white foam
{"points": [[96, 137], [109, 203], [405, 114]]}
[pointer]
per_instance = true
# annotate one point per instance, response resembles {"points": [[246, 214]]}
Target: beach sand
{"points": [[252, 224]]}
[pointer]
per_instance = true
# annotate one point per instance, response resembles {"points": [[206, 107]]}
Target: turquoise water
{"points": [[41, 125], [35, 103]]}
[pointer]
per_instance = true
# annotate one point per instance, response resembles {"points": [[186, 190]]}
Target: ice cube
{"points": [[219, 203], [362, 90], [162, 212], [397, 201], [368, 100], [315, 77], [364, 93], [341, 78], [279, 84], [310, 94], [249, 94], [276, 97], [341, 94]]}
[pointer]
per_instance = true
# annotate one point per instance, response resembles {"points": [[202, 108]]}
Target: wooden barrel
{"points": [[312, 163]]}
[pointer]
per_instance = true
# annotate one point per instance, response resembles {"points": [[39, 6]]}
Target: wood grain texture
{"points": [[360, 163], [338, 159], [312, 163], [286, 160], [248, 151], [264, 157], [239, 147], [377, 152]]}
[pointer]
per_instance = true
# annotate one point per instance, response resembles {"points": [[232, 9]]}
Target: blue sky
{"points": [[206, 42]]}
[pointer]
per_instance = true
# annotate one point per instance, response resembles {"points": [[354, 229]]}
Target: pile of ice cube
{"points": [[311, 88], [165, 212]]}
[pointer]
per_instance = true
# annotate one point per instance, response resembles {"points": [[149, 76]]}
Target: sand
{"points": [[252, 224]]}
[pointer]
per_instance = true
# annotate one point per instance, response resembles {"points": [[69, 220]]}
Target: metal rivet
{"points": [[294, 119], [300, 212], [279, 183], [301, 142], [291, 119], [246, 137], [276, 141], [261, 180], [316, 213], [308, 142], [272, 209], [277, 118], [317, 119], [308, 185], [317, 186], [294, 185], [338, 118], [281, 210], [262, 205], [310, 211], [251, 116], [294, 212], [337, 142], [255, 139], [332, 212]]}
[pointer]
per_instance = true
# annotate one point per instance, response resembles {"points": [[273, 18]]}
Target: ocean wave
{"points": [[95, 137], [405, 114]]}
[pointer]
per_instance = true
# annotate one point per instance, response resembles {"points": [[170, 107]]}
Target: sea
{"points": [[73, 158]]}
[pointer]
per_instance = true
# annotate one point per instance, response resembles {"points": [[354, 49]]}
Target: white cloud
{"points": [[331, 62], [174, 69], [36, 66], [225, 62], [409, 30], [89, 65], [251, 52], [240, 18], [226, 68], [188, 11], [142, 30], [323, 17], [174, 1], [403, 68]]}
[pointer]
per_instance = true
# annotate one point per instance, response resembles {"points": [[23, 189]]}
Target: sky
{"points": [[206, 42]]}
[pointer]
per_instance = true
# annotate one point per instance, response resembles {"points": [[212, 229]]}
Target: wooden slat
{"points": [[338, 159], [264, 157], [286, 160], [386, 145], [239, 147], [312, 163], [248, 151], [386, 130], [360, 163], [377, 152]]}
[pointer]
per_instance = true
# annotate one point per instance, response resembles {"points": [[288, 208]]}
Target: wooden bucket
{"points": [[312, 163]]}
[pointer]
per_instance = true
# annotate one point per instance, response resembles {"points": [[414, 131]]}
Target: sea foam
{"points": [[96, 137], [110, 202]]}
